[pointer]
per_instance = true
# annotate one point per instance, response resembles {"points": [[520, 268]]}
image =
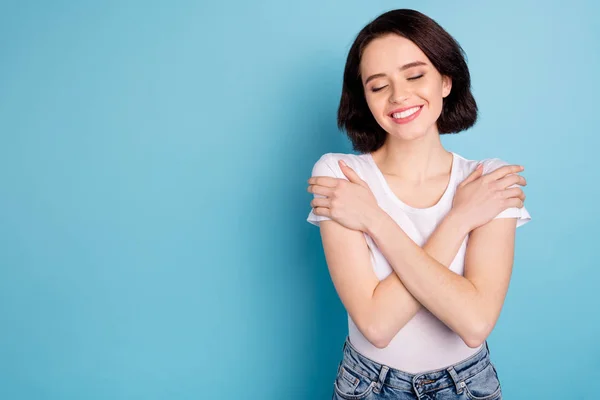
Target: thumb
{"points": [[474, 175], [350, 174]]}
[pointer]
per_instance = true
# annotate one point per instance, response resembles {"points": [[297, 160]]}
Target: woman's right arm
{"points": [[379, 308]]}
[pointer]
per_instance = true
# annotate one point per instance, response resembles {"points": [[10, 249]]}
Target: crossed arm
{"points": [[469, 304]]}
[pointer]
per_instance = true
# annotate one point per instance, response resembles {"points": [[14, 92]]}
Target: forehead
{"points": [[389, 52]]}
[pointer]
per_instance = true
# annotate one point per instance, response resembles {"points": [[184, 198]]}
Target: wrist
{"points": [[458, 222], [375, 220]]}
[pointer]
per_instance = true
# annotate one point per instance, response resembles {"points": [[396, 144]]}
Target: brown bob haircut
{"points": [[459, 110]]}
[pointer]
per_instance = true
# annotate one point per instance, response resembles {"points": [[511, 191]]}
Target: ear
{"points": [[446, 85]]}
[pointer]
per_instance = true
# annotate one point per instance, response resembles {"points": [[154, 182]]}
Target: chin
{"points": [[408, 134]]}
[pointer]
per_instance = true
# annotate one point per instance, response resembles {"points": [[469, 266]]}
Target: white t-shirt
{"points": [[425, 343]]}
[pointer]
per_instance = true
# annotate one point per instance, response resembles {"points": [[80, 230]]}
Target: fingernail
{"points": [[479, 165], [343, 163]]}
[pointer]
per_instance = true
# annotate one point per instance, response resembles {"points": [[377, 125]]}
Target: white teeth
{"points": [[406, 113]]}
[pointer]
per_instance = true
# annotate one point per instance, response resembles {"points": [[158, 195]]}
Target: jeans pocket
{"points": [[351, 385], [484, 385]]}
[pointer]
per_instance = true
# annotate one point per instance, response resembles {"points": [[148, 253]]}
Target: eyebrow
{"points": [[402, 68]]}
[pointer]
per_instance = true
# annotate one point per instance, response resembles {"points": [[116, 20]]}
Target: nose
{"points": [[398, 95]]}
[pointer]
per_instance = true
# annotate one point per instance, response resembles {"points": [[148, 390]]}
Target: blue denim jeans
{"points": [[359, 377]]}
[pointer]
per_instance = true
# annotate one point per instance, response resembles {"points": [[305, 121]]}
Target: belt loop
{"points": [[382, 375], [457, 382], [343, 354]]}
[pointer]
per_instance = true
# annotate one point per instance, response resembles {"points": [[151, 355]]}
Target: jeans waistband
{"points": [[422, 382]]}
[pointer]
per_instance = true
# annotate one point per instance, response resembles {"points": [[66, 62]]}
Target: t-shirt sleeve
{"points": [[521, 214], [323, 167]]}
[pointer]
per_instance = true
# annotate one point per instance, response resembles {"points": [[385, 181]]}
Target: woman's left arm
{"points": [[469, 304]]}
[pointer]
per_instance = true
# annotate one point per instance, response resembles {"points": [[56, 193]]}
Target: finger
{"points": [[514, 202], [320, 202], [350, 174], [320, 190], [514, 192], [323, 181], [322, 211], [503, 171], [510, 180], [473, 175]]}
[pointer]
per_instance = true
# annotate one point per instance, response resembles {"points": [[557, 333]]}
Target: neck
{"points": [[416, 160]]}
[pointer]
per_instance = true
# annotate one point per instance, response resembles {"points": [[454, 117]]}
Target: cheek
{"points": [[432, 94], [428, 91], [376, 105]]}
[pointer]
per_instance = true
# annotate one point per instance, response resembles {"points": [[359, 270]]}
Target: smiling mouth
{"points": [[406, 115]]}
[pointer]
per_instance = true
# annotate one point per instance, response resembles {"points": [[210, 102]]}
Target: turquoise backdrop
{"points": [[153, 167]]}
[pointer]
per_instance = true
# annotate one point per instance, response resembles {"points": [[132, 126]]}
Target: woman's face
{"points": [[403, 89]]}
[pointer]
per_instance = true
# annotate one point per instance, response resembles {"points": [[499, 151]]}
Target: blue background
{"points": [[153, 167]]}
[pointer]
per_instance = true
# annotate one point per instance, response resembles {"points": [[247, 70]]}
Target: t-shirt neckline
{"points": [[403, 205]]}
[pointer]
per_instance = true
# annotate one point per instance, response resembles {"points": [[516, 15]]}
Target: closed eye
{"points": [[414, 78]]}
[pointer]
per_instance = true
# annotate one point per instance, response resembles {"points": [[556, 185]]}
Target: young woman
{"points": [[419, 241]]}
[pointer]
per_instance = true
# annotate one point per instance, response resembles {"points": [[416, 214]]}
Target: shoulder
{"points": [[492, 164], [466, 166], [328, 164]]}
